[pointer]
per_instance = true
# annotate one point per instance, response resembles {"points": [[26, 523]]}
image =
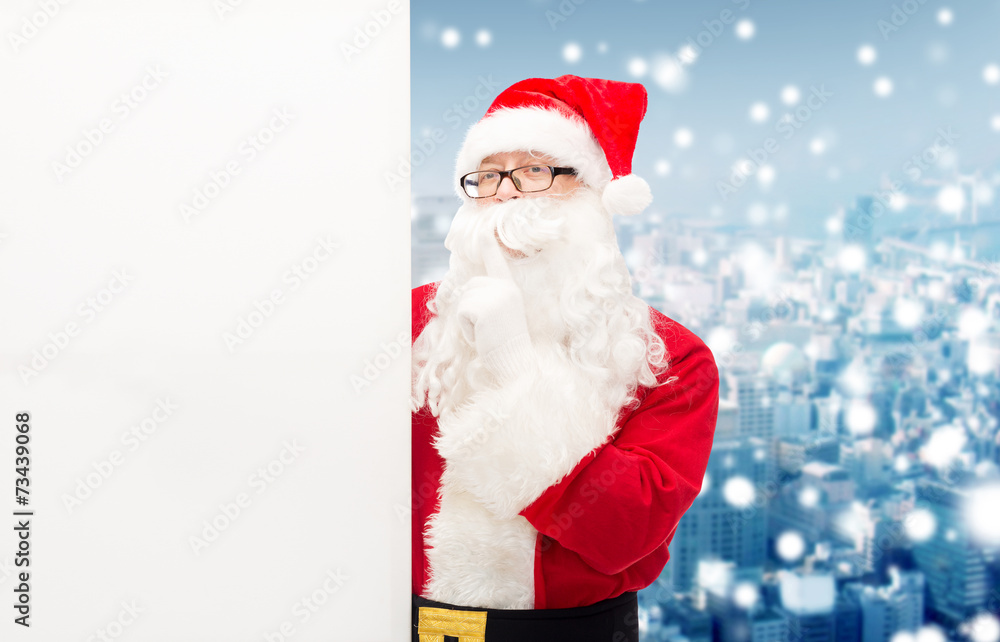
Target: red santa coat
{"points": [[604, 528]]}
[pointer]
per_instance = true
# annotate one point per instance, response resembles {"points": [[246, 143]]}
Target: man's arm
{"points": [[545, 456], [620, 505]]}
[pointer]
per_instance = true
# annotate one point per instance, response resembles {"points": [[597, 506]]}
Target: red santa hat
{"points": [[585, 123]]}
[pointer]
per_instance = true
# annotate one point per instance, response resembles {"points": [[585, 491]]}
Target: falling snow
{"points": [[882, 87], [450, 38]]}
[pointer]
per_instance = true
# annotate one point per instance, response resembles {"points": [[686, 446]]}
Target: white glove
{"points": [[492, 317]]}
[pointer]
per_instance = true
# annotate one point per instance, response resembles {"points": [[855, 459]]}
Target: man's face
{"points": [[562, 185]]}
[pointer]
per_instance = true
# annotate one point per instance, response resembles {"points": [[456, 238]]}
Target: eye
{"points": [[488, 176]]}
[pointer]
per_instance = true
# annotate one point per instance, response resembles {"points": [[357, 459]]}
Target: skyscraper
{"points": [[755, 394], [728, 520], [955, 568], [807, 600], [888, 610]]}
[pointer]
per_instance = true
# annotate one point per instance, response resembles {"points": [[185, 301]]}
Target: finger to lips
{"points": [[496, 264]]}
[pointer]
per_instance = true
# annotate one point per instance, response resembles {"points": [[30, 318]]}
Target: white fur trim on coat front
{"points": [[477, 559], [507, 444], [536, 129], [502, 449]]}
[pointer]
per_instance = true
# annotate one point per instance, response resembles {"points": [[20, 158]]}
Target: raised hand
{"points": [[492, 315]]}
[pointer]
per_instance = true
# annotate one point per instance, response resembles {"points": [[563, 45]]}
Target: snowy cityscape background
{"points": [[825, 218]]}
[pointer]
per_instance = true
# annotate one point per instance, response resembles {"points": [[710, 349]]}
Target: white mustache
{"points": [[528, 225]]}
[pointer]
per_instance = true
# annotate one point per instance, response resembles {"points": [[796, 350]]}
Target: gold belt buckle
{"points": [[435, 623]]}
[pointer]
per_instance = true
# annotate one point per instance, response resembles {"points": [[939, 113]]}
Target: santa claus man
{"points": [[561, 426]]}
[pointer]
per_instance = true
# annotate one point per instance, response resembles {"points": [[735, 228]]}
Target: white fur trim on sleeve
{"points": [[508, 444]]}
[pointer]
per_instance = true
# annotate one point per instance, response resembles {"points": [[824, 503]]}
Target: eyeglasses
{"points": [[531, 178]]}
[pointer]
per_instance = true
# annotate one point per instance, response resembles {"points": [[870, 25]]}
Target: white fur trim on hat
{"points": [[537, 129], [627, 195]]}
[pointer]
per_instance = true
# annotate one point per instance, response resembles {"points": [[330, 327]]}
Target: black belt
{"points": [[612, 620]]}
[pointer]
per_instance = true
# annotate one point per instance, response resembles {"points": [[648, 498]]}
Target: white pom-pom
{"points": [[627, 195]]}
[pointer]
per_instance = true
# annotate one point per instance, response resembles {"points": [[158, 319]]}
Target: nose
{"points": [[506, 190]]}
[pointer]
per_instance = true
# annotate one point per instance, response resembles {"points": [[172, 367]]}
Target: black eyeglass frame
{"points": [[555, 171]]}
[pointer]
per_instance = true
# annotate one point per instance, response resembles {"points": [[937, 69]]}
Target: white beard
{"points": [[577, 295], [503, 446]]}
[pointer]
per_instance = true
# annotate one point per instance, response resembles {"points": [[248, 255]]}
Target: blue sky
{"points": [[934, 66]]}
